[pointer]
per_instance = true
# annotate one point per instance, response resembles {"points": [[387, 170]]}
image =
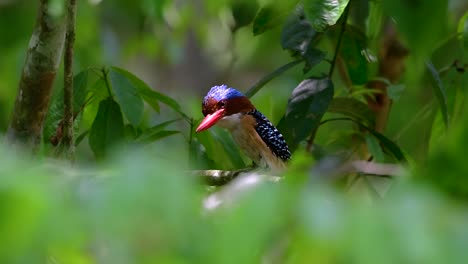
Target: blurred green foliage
{"points": [[141, 208], [142, 68]]}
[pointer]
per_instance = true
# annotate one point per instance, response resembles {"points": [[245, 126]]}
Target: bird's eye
{"points": [[222, 104]]}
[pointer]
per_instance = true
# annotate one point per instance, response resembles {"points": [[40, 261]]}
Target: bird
{"points": [[256, 136]]}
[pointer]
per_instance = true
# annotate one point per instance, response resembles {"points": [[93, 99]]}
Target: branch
{"points": [[244, 183], [67, 140], [35, 87], [219, 177]]}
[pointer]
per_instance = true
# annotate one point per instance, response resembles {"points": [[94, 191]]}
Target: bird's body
{"points": [[250, 129]]}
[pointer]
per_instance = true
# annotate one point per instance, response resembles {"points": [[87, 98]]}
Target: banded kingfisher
{"points": [[250, 129]]}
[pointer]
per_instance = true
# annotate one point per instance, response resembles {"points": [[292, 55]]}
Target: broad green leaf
{"points": [[388, 145], [214, 149], [374, 20], [359, 13], [97, 92], [231, 149], [143, 89], [299, 37], [130, 132], [324, 13], [297, 32], [352, 51], [152, 94], [272, 15], [158, 135], [312, 57], [149, 95], [107, 129], [148, 133], [306, 106], [80, 89], [243, 12], [463, 30], [439, 91], [412, 16], [267, 18], [353, 108], [395, 91], [374, 148], [80, 137], [126, 94], [198, 156]]}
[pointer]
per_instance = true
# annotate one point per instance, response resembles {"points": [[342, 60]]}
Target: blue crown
{"points": [[223, 92]]}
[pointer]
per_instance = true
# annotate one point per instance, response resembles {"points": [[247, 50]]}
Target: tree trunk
{"points": [[35, 87]]}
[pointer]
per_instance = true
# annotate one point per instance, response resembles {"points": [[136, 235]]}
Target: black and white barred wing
{"points": [[271, 136]]}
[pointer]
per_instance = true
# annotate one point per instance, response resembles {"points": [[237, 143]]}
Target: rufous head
{"points": [[222, 101]]}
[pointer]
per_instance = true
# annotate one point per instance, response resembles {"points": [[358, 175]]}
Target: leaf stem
{"points": [[340, 38], [258, 85], [106, 80]]}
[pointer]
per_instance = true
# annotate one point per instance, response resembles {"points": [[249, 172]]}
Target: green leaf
{"points": [[312, 57], [297, 32], [352, 51], [390, 146], [143, 89], [306, 106], [198, 156], [158, 135], [80, 85], [163, 99], [107, 129], [231, 149], [130, 132], [463, 29], [126, 94], [439, 91], [150, 132], [324, 13], [410, 16], [395, 91], [272, 15], [374, 148], [243, 12], [353, 108], [214, 149], [299, 37], [97, 93], [149, 95], [81, 137]]}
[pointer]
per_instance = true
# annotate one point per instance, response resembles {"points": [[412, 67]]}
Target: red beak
{"points": [[210, 120]]}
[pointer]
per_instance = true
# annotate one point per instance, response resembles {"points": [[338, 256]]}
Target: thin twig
{"points": [[338, 44], [67, 140]]}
